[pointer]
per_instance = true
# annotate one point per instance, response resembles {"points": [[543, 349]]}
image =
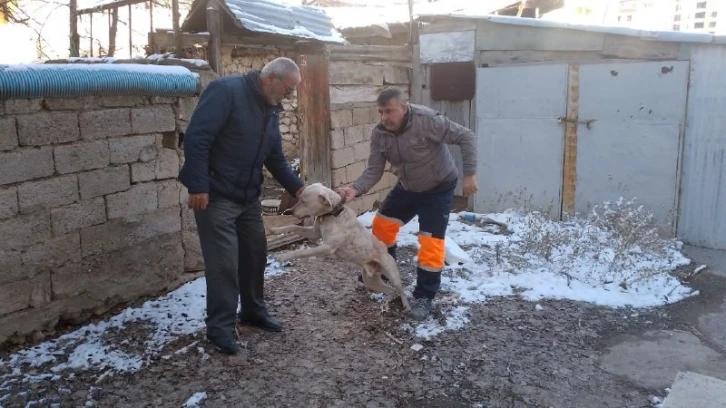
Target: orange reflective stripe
{"points": [[385, 230], [431, 253]]}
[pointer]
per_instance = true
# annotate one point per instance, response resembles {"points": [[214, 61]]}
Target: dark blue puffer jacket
{"points": [[232, 133]]}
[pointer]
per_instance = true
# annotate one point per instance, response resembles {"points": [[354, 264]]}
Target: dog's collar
{"points": [[337, 210]]}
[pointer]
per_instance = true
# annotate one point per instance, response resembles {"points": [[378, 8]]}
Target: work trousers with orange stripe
{"points": [[432, 208]]}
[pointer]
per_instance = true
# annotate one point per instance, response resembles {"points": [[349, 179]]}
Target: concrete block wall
{"points": [[91, 214]]}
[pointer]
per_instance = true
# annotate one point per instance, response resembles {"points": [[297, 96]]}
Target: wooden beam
{"points": [[177, 32], [569, 174], [214, 25], [131, 35], [75, 38], [314, 109]]}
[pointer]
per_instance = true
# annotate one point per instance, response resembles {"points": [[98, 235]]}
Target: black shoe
{"points": [[266, 322], [226, 345]]}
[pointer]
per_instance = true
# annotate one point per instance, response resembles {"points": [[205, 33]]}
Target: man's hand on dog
{"points": [[347, 193]]}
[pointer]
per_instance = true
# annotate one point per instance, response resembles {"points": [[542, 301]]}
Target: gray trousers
{"points": [[234, 248]]}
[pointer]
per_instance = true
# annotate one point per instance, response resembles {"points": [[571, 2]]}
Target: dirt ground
{"points": [[339, 349]]}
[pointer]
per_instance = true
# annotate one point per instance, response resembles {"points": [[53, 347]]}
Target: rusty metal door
{"points": [[631, 118], [519, 139], [314, 113]]}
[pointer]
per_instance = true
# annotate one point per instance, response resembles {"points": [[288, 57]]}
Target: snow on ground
{"points": [[611, 258]]}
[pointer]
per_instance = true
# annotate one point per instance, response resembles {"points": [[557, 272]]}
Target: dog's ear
{"points": [[324, 199]]}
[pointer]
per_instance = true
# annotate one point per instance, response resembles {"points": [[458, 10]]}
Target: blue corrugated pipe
{"points": [[75, 80]]}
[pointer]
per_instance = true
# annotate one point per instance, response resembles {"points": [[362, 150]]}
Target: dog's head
{"points": [[315, 200]]}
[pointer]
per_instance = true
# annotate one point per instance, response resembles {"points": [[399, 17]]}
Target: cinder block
{"points": [[47, 194], [64, 104], [8, 133], [104, 181], [11, 265], [193, 259], [30, 293], [139, 199], [337, 139], [23, 231], [354, 134], [152, 119], [168, 193], [25, 164], [341, 118], [354, 171], [189, 223], [362, 151], [81, 156], [22, 106], [53, 253], [167, 164], [143, 172], [129, 231], [8, 202], [77, 216], [123, 101], [365, 115], [105, 123], [343, 157], [340, 177], [132, 149], [46, 128]]}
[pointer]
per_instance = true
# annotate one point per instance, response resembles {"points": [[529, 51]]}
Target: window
{"points": [[677, 17], [701, 4], [676, 27], [630, 18], [712, 24], [700, 15], [714, 14], [698, 25]]}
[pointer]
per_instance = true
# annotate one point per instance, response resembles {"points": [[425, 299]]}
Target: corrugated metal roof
{"points": [[671, 36], [272, 17]]}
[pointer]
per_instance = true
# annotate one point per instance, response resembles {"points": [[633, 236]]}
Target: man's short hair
{"points": [[281, 67], [391, 93]]}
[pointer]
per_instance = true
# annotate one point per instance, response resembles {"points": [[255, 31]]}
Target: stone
{"points": [[696, 390], [104, 181], [341, 118], [284, 129], [24, 294], [23, 231], [25, 164], [51, 193], [47, 128], [81, 156], [193, 259], [22, 106], [78, 104], [53, 253], [123, 101], [22, 323], [105, 123], [153, 119], [354, 171], [340, 177], [77, 216], [8, 133], [189, 223], [129, 149], [653, 359], [168, 193], [343, 157], [139, 199], [8, 202], [143, 172], [713, 325], [337, 139], [12, 268], [354, 134], [167, 164], [111, 278], [365, 115]]}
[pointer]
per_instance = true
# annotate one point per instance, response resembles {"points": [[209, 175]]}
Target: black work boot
{"points": [[427, 285], [421, 308], [225, 344]]}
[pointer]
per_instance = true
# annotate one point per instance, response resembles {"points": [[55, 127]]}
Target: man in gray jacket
{"points": [[413, 139]]}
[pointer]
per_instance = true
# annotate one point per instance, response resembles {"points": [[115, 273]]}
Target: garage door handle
{"points": [[587, 123]]}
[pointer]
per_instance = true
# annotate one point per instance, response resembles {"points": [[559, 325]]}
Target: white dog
{"points": [[343, 235]]}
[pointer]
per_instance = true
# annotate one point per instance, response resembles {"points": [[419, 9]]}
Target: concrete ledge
{"points": [[695, 390]]}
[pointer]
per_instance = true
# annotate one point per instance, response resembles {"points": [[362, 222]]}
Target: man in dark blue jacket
{"points": [[233, 132]]}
